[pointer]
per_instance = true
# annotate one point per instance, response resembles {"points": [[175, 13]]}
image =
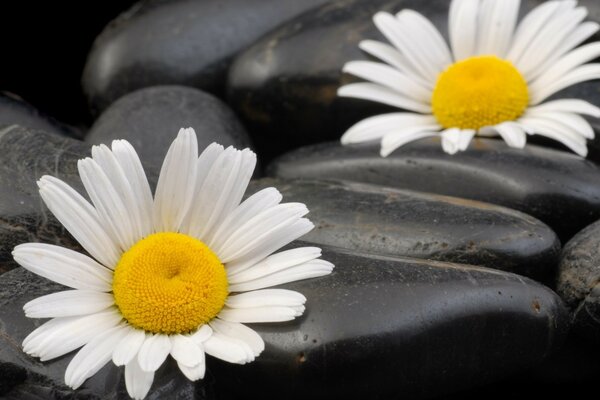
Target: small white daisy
{"points": [[175, 275], [492, 81]]}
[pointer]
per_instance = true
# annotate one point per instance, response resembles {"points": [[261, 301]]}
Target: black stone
{"points": [[376, 327], [284, 84], [380, 220], [16, 111], [558, 188], [188, 42], [150, 119]]}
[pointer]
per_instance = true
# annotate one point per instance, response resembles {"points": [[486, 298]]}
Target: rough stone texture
{"points": [[188, 42], [381, 220], [16, 111], [284, 84], [558, 188], [150, 119], [376, 327]]}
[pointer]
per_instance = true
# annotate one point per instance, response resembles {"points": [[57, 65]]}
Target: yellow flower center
{"points": [[169, 283], [479, 91]]}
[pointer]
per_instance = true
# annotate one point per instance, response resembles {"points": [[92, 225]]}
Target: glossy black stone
{"points": [[188, 42], [150, 119], [558, 188], [285, 84], [375, 327], [16, 111], [380, 220]]}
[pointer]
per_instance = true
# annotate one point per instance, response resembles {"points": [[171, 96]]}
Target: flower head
{"points": [[492, 80], [178, 274]]}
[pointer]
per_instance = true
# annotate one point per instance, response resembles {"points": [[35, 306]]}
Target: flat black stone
{"points": [[285, 84], [16, 111], [188, 42], [559, 188], [376, 327], [150, 119], [380, 220]]}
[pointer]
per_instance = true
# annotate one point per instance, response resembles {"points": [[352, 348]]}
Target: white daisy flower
{"points": [[492, 80], [175, 275]]}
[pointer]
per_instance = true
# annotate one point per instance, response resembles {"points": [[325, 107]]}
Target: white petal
{"points": [[462, 27], [134, 171], [266, 297], [259, 314], [137, 381], [68, 303], [185, 351], [175, 188], [240, 332], [380, 125], [252, 206], [512, 133], [400, 137], [80, 219], [262, 228], [226, 349], [466, 135], [93, 356], [573, 121], [195, 372], [389, 77], [154, 352], [274, 263], [60, 336], [497, 22], [201, 335], [128, 347], [63, 266], [556, 132], [311, 269], [381, 94], [583, 73], [451, 140], [393, 57], [220, 193], [576, 106]]}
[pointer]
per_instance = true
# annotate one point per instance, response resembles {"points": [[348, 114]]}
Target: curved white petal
{"points": [[462, 27], [195, 372], [583, 73], [68, 303], [497, 20], [266, 297], [63, 266], [128, 348], [400, 137], [185, 351], [380, 125], [512, 133], [80, 219], [576, 106], [137, 381], [260, 314], [175, 187], [573, 121], [227, 349], [381, 94], [154, 351], [451, 141], [556, 132], [93, 356], [201, 335], [241, 332]]}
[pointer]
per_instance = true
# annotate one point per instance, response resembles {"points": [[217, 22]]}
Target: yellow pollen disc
{"points": [[169, 283], [479, 91]]}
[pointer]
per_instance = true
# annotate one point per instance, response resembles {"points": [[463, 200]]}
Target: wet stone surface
{"points": [[381, 220], [560, 189], [427, 328]]}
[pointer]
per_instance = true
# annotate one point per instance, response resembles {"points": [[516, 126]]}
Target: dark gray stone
{"points": [[188, 42], [286, 85], [376, 327], [558, 188], [16, 111], [380, 220], [150, 119]]}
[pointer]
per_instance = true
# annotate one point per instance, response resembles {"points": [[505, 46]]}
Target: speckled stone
{"points": [[150, 119], [559, 188], [189, 42], [376, 327], [380, 220]]}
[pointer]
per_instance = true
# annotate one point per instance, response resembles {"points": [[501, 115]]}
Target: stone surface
{"points": [[380, 220], [376, 327], [187, 42], [579, 280], [559, 188], [150, 119], [16, 111], [286, 85]]}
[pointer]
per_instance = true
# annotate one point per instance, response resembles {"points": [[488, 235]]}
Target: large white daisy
{"points": [[493, 79], [175, 275]]}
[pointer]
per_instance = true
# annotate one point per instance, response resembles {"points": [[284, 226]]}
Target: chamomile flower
{"points": [[178, 274], [492, 80]]}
